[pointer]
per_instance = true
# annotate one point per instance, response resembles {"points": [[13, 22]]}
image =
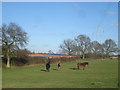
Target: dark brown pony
{"points": [[82, 65], [48, 67], [59, 65]]}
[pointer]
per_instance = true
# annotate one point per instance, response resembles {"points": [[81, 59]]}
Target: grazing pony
{"points": [[82, 65], [48, 67], [59, 66]]}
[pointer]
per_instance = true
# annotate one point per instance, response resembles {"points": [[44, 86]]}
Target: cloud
{"points": [[111, 13], [115, 25]]}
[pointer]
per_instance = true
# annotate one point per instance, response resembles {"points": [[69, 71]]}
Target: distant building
{"points": [[50, 55]]}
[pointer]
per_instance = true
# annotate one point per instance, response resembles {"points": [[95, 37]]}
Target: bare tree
{"points": [[67, 46], [109, 47], [13, 37], [21, 53], [83, 44], [96, 47], [50, 52]]}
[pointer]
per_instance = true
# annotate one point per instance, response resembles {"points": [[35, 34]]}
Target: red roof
{"points": [[46, 55]]}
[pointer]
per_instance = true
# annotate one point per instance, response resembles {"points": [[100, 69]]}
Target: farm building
{"points": [[50, 55]]}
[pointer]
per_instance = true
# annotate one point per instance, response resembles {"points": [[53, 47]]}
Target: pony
{"points": [[59, 65], [82, 65], [48, 67]]}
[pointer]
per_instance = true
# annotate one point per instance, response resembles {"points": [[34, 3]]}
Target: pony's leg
{"points": [[78, 67], [59, 68], [83, 67], [47, 70]]}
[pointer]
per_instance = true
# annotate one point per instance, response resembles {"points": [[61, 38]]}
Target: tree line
{"points": [[82, 45], [14, 39]]}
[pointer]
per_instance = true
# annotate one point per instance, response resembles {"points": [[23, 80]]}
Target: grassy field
{"points": [[99, 74]]}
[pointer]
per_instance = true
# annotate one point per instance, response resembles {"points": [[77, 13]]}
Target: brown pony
{"points": [[82, 65]]}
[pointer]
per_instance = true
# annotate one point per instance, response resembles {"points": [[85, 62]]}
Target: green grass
{"points": [[99, 74]]}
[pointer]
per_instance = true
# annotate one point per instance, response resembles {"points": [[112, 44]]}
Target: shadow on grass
{"points": [[43, 70], [74, 68], [55, 69]]}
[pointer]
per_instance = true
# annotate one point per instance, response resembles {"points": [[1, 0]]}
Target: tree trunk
{"points": [[8, 62], [108, 54], [8, 59], [83, 56]]}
